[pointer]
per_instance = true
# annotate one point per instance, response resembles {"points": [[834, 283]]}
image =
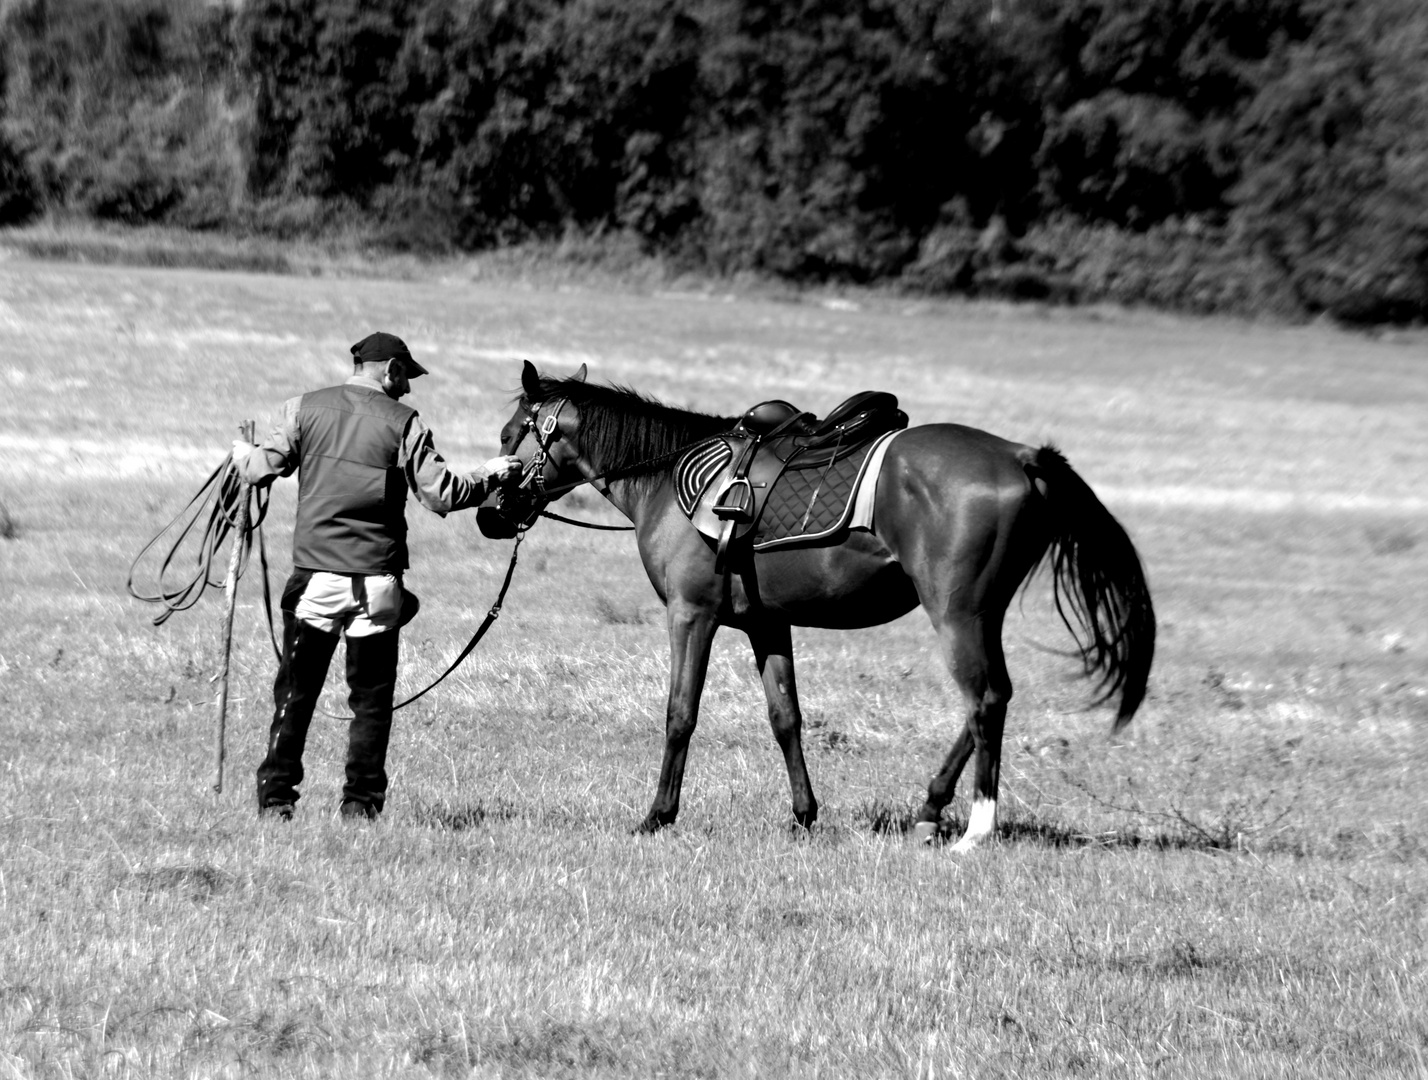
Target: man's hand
{"points": [[241, 449], [504, 468]]}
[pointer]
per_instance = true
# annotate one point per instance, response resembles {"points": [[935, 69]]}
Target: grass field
{"points": [[1237, 888]]}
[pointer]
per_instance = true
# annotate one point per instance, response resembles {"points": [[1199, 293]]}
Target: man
{"points": [[357, 452]]}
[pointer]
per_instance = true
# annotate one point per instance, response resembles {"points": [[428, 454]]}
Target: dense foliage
{"points": [[1201, 154]]}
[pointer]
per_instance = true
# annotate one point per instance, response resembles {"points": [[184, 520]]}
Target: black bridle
{"points": [[533, 477]]}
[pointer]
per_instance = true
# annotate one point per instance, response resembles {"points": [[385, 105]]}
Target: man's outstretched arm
{"points": [[439, 488]]}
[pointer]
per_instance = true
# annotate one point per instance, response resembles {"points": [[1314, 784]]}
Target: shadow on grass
{"points": [[483, 813], [458, 818], [199, 881], [885, 819], [888, 820], [547, 1047]]}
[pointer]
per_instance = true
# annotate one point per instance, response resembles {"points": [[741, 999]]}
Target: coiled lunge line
{"points": [[195, 537]]}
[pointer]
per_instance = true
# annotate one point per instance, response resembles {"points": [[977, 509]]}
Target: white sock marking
{"points": [[981, 824]]}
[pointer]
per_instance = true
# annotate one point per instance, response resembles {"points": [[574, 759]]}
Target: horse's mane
{"points": [[623, 431]]}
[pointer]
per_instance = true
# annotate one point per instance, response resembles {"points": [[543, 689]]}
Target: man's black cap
{"points": [[378, 347]]}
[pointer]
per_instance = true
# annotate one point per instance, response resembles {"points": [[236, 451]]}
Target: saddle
{"points": [[781, 474]]}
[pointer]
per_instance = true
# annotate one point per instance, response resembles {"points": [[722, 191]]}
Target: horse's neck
{"points": [[638, 498], [638, 495]]}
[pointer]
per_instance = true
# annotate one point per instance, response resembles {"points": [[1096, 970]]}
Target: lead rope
{"points": [[491, 617]]}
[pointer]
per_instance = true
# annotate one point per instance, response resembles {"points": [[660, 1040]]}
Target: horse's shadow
{"points": [[878, 818], [896, 821]]}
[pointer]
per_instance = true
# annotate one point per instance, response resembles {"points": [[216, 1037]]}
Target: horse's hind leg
{"points": [[974, 657], [773, 651], [939, 792]]}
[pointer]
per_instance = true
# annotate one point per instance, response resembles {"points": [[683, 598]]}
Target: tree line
{"points": [[1205, 155]]}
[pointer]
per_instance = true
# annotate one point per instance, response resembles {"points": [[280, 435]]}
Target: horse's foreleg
{"points": [[773, 651], [691, 633], [975, 659]]}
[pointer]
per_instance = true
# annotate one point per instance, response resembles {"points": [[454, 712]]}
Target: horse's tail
{"points": [[1098, 584]]}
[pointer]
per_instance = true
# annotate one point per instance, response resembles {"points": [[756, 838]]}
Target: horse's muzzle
{"points": [[507, 512], [494, 524]]}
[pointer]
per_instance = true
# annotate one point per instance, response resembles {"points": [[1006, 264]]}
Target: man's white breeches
{"points": [[360, 604]]}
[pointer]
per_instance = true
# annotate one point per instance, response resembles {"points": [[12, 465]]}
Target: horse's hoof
{"points": [[924, 832], [648, 827]]}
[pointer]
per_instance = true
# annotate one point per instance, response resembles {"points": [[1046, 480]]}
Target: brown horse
{"points": [[961, 519]]}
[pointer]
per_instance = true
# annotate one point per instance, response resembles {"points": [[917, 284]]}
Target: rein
{"points": [[545, 432], [586, 524]]}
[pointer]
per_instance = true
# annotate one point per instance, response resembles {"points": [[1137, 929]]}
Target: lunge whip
{"points": [[225, 506], [230, 590]]}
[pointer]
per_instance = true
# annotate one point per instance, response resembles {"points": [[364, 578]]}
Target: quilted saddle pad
{"points": [[804, 504]]}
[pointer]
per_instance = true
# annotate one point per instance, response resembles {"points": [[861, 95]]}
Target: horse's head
{"points": [[541, 432]]}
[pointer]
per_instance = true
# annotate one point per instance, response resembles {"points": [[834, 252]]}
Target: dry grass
{"points": [[1237, 889]]}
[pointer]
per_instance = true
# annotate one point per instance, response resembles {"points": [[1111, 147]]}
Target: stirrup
{"points": [[736, 502]]}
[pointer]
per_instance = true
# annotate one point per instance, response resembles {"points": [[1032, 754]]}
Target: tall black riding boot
{"points": [[372, 682], [306, 653]]}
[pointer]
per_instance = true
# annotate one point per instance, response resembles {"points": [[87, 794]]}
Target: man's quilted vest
{"points": [[352, 496]]}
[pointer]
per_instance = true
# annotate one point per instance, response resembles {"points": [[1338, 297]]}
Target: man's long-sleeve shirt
{"points": [[358, 452], [435, 486]]}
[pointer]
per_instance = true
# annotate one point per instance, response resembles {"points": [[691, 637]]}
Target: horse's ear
{"points": [[530, 381], [579, 376]]}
